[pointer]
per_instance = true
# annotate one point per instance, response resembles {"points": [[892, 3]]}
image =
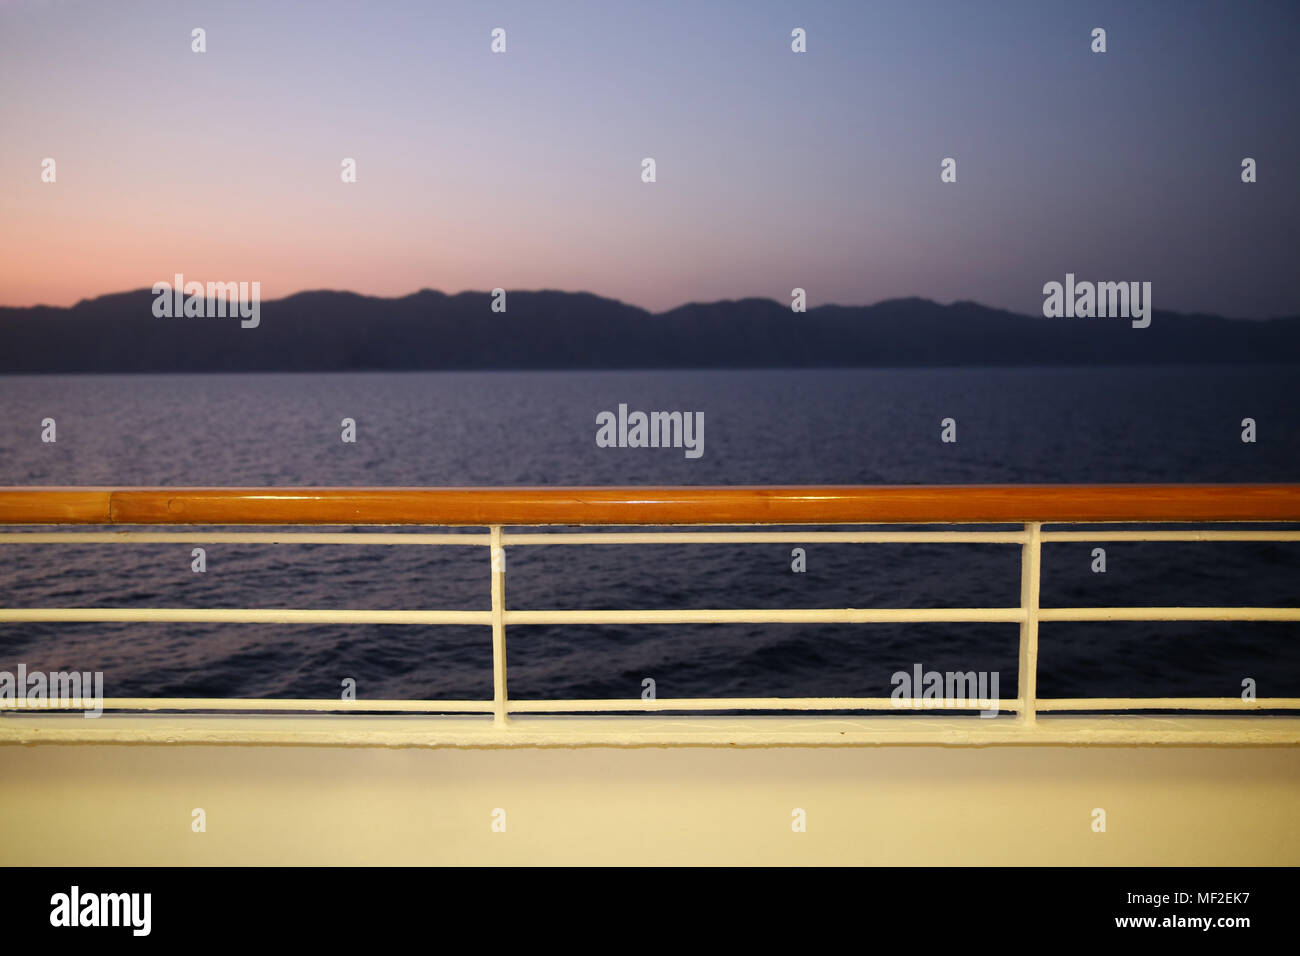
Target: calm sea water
{"points": [[797, 427]]}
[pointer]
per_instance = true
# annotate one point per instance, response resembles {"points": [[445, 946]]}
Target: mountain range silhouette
{"points": [[429, 330]]}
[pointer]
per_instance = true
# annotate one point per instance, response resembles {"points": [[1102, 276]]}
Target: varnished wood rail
{"points": [[703, 505]]}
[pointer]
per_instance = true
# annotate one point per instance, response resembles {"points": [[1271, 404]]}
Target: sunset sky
{"points": [[775, 169]]}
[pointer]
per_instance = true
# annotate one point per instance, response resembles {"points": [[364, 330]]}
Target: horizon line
{"points": [[586, 292]]}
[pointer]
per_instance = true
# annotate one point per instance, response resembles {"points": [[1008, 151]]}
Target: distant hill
{"points": [[341, 331]]}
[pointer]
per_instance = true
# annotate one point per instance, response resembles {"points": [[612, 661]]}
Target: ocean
{"points": [[868, 426]]}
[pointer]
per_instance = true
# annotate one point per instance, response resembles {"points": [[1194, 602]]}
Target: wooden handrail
{"points": [[681, 505]]}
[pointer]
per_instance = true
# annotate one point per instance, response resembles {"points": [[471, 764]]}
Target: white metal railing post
{"points": [[1031, 562], [499, 698]]}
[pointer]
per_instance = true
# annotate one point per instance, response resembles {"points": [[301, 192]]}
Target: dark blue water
{"points": [[770, 427]]}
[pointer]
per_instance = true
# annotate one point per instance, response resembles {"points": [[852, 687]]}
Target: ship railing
{"points": [[1032, 511]]}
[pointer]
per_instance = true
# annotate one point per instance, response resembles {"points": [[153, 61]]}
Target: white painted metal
{"points": [[498, 571], [218, 704], [242, 615], [1168, 703], [766, 537], [238, 537], [963, 615], [970, 729], [1169, 614], [1031, 563], [1171, 535]]}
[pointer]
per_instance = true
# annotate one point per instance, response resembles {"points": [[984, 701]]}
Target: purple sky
{"points": [[775, 169]]}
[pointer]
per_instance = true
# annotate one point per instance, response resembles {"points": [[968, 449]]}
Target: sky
{"points": [[775, 169]]}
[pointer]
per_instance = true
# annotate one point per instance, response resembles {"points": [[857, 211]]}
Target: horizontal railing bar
{"points": [[645, 537], [689, 505], [1169, 614], [766, 537], [238, 537], [1168, 703], [1171, 535], [702, 704], [753, 703], [774, 616], [523, 706], [242, 615], [642, 537], [644, 616], [277, 704]]}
